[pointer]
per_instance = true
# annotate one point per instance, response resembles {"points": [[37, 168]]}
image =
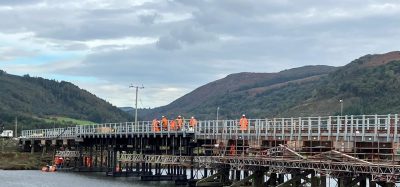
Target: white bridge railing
{"points": [[346, 128]]}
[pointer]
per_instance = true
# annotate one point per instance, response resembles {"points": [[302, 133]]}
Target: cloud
{"points": [[10, 53], [149, 18], [17, 2], [175, 46]]}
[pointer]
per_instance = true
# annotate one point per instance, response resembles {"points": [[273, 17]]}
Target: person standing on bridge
{"points": [[172, 125], [156, 125], [244, 123], [192, 123], [164, 122], [179, 122]]}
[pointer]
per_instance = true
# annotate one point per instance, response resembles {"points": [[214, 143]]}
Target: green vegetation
{"points": [[42, 103], [368, 85], [20, 161], [13, 159], [67, 121]]}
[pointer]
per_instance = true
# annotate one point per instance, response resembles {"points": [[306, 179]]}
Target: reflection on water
{"points": [[63, 179]]}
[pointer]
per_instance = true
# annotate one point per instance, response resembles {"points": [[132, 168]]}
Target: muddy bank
{"points": [[20, 161]]}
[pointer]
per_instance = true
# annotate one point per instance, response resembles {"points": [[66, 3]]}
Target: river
{"points": [[29, 178]]}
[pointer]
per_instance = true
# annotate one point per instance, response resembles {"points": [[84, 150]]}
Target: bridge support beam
{"points": [[342, 182], [372, 183], [322, 180], [221, 178], [363, 182], [257, 179], [32, 147], [237, 175], [386, 184], [355, 181], [281, 178], [296, 179], [272, 179], [315, 181]]}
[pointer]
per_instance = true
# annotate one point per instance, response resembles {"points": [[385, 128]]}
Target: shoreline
{"points": [[14, 160]]}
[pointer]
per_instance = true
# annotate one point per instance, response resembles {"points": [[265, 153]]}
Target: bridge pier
{"points": [[322, 180], [363, 182], [296, 179], [372, 183], [32, 147], [343, 182], [386, 184], [281, 178], [315, 181], [219, 179], [272, 181], [257, 179]]}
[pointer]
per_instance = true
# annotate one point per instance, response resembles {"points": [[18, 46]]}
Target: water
{"points": [[69, 179]]}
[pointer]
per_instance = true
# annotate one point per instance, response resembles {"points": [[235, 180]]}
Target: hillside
{"points": [[239, 93], [40, 103], [367, 85]]}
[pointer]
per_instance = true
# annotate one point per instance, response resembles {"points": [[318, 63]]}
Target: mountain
{"points": [[127, 109], [367, 85], [248, 93], [40, 103]]}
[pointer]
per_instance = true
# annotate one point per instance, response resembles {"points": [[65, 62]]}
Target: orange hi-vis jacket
{"points": [[244, 123], [232, 150], [156, 125], [172, 125], [193, 122], [164, 122], [179, 122]]}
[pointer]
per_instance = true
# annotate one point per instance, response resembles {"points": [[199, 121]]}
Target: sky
{"points": [[172, 47]]}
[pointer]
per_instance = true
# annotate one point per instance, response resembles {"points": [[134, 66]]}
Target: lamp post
{"points": [[217, 113], [341, 107], [137, 90]]}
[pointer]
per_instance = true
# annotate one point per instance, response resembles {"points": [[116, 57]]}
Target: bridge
{"points": [[353, 150]]}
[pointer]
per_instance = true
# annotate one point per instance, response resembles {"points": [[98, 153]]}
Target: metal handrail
{"points": [[346, 128]]}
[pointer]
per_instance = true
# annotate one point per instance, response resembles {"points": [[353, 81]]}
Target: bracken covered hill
{"points": [[367, 85]]}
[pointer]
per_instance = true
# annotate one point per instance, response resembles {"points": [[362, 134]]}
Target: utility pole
{"points": [[137, 91], [16, 127], [341, 107], [217, 113]]}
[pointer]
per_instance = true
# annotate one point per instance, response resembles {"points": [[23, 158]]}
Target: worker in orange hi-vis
{"points": [[172, 125], [232, 150], [179, 122], [156, 125], [244, 123], [192, 123], [164, 122]]}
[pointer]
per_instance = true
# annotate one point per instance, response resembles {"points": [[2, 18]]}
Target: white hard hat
{"points": [[192, 116], [243, 115]]}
